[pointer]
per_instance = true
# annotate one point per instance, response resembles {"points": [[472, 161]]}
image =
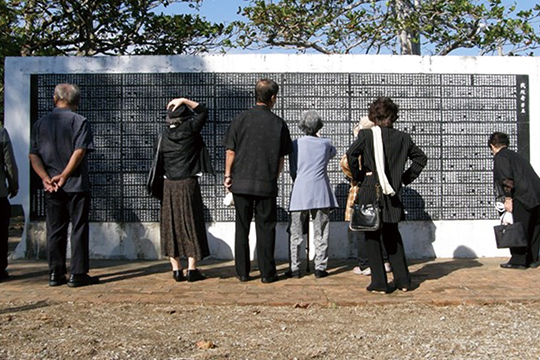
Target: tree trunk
{"points": [[409, 41]]}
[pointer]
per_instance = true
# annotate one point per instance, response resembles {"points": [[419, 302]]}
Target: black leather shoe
{"points": [[243, 278], [195, 275], [513, 266], [293, 274], [76, 280], [270, 279], [534, 265], [57, 279], [321, 274], [178, 275]]}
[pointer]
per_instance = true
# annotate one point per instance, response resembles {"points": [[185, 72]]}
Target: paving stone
{"points": [[440, 282]]}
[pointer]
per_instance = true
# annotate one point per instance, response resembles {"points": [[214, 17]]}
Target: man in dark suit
{"points": [[396, 149], [515, 178], [58, 154], [256, 143]]}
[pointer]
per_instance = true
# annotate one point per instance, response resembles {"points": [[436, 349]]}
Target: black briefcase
{"points": [[508, 236]]}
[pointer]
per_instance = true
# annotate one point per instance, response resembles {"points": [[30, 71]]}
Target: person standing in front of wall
{"points": [[256, 143], [59, 146], [517, 181], [312, 194], [385, 152], [9, 186]]}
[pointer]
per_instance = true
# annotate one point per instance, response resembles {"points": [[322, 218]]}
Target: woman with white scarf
{"points": [[384, 153]]}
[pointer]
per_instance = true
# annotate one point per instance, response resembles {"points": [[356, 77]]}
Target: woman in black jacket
{"points": [[398, 147], [516, 180], [185, 158]]}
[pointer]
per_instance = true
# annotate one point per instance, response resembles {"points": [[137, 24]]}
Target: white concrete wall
{"points": [[141, 240]]}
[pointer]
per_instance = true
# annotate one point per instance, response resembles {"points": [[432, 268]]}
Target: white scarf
{"points": [[379, 161]]}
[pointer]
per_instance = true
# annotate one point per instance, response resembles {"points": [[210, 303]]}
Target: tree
{"points": [[8, 39], [390, 26], [110, 27], [106, 27]]}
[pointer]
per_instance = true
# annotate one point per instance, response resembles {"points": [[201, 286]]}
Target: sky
{"points": [[226, 11], [212, 10]]}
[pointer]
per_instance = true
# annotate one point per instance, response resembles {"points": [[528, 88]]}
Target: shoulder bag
{"points": [[366, 216], [154, 183], [366, 211]]}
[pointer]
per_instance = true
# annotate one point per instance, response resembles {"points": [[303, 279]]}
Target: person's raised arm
{"points": [[182, 101], [201, 111]]}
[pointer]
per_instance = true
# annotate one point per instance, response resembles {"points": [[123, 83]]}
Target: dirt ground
{"points": [[81, 330], [126, 331]]}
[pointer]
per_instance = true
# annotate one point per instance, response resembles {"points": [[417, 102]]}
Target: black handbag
{"points": [[154, 183], [366, 216], [512, 235]]}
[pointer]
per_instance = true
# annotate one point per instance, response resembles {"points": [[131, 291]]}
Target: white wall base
{"points": [[422, 239]]}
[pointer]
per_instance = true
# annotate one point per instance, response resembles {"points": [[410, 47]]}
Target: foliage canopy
{"points": [[437, 27]]}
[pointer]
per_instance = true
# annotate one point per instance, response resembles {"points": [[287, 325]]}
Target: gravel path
{"points": [[45, 330]]}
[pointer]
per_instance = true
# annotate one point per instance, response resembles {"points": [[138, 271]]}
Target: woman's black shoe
{"points": [[178, 275], [388, 290], [195, 275], [513, 266]]}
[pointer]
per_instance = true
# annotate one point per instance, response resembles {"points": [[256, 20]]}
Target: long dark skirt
{"points": [[183, 232]]}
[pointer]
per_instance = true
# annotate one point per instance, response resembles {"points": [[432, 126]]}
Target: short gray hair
{"points": [[68, 93], [311, 122]]}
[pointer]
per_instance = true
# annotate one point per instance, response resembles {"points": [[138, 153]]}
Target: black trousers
{"points": [[61, 208], [265, 210], [531, 222], [393, 243], [5, 210], [359, 238]]}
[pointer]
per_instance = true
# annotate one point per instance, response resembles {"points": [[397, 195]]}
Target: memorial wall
{"points": [[448, 111], [448, 115]]}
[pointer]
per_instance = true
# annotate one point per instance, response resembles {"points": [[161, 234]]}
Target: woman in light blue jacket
{"points": [[311, 193]]}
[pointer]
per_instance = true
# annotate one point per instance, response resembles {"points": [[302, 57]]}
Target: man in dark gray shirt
{"points": [[9, 185], [59, 145], [256, 143]]}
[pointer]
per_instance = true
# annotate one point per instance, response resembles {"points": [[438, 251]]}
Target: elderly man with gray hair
{"points": [[60, 143], [311, 193]]}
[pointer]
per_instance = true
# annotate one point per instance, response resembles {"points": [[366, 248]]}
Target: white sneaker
{"points": [[387, 267], [365, 272]]}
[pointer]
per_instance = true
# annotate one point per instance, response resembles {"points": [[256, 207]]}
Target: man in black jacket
{"points": [[520, 185], [9, 186]]}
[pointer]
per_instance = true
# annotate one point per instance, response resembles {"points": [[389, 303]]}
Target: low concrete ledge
{"points": [[141, 241]]}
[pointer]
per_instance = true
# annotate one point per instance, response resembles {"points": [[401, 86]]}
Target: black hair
{"points": [[383, 112], [499, 139], [265, 89]]}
